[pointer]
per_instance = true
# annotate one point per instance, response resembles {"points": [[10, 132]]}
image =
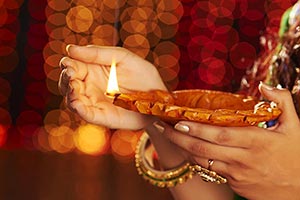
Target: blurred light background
{"points": [[48, 152]]}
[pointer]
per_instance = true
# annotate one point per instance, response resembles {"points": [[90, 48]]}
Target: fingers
{"points": [[284, 102], [202, 148], [63, 82], [73, 69], [78, 101], [201, 151], [75, 92], [241, 137], [97, 54], [217, 166]]}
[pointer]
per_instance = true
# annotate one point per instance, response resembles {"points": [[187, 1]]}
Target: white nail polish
{"points": [[159, 126], [182, 128], [68, 47]]}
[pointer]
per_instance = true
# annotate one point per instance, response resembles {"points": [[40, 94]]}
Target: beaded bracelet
{"points": [[170, 178]]}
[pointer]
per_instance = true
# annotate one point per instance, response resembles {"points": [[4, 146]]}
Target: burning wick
{"points": [[112, 89]]}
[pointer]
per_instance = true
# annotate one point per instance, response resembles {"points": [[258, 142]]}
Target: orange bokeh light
{"points": [[92, 139], [61, 139], [79, 19], [123, 143]]}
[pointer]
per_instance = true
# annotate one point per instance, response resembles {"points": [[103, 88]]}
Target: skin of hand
{"points": [[83, 82], [84, 78], [171, 156], [258, 163]]}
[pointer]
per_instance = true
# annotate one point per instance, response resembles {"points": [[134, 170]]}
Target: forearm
{"points": [[192, 189]]}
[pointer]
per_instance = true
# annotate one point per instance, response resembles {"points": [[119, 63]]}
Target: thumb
{"points": [[284, 101], [97, 54]]}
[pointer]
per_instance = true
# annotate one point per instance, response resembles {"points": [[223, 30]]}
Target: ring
{"points": [[210, 163]]}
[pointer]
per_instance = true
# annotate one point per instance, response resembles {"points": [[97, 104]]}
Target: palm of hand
{"points": [[89, 85]]}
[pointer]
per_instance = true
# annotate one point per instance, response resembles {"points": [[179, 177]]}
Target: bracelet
{"points": [[208, 175], [170, 178]]}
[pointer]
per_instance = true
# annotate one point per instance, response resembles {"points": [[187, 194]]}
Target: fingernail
{"points": [[265, 86], [62, 63], [182, 127], [69, 46], [158, 125], [62, 66]]}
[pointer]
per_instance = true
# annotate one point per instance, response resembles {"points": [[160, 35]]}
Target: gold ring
{"points": [[210, 163]]}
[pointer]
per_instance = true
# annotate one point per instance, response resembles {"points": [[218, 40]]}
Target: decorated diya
{"points": [[205, 106]]}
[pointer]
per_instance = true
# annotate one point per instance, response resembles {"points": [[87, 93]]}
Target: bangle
{"points": [[168, 178], [172, 177]]}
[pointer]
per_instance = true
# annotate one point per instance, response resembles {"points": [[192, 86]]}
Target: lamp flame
{"points": [[112, 86]]}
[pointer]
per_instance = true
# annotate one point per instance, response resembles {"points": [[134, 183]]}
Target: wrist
{"points": [[150, 171], [169, 155]]}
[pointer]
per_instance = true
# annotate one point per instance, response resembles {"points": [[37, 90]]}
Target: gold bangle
{"points": [[170, 178]]}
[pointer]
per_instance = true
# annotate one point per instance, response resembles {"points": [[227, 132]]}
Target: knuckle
{"points": [[237, 175], [199, 148], [240, 172], [223, 137]]}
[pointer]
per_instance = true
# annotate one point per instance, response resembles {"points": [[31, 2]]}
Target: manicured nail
{"points": [[159, 126], [68, 47], [182, 127], [265, 86], [62, 66], [62, 63]]}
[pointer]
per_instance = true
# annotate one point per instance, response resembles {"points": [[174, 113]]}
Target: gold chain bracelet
{"points": [[170, 178]]}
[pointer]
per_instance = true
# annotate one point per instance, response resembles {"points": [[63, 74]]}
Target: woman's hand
{"points": [[84, 78], [258, 163]]}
